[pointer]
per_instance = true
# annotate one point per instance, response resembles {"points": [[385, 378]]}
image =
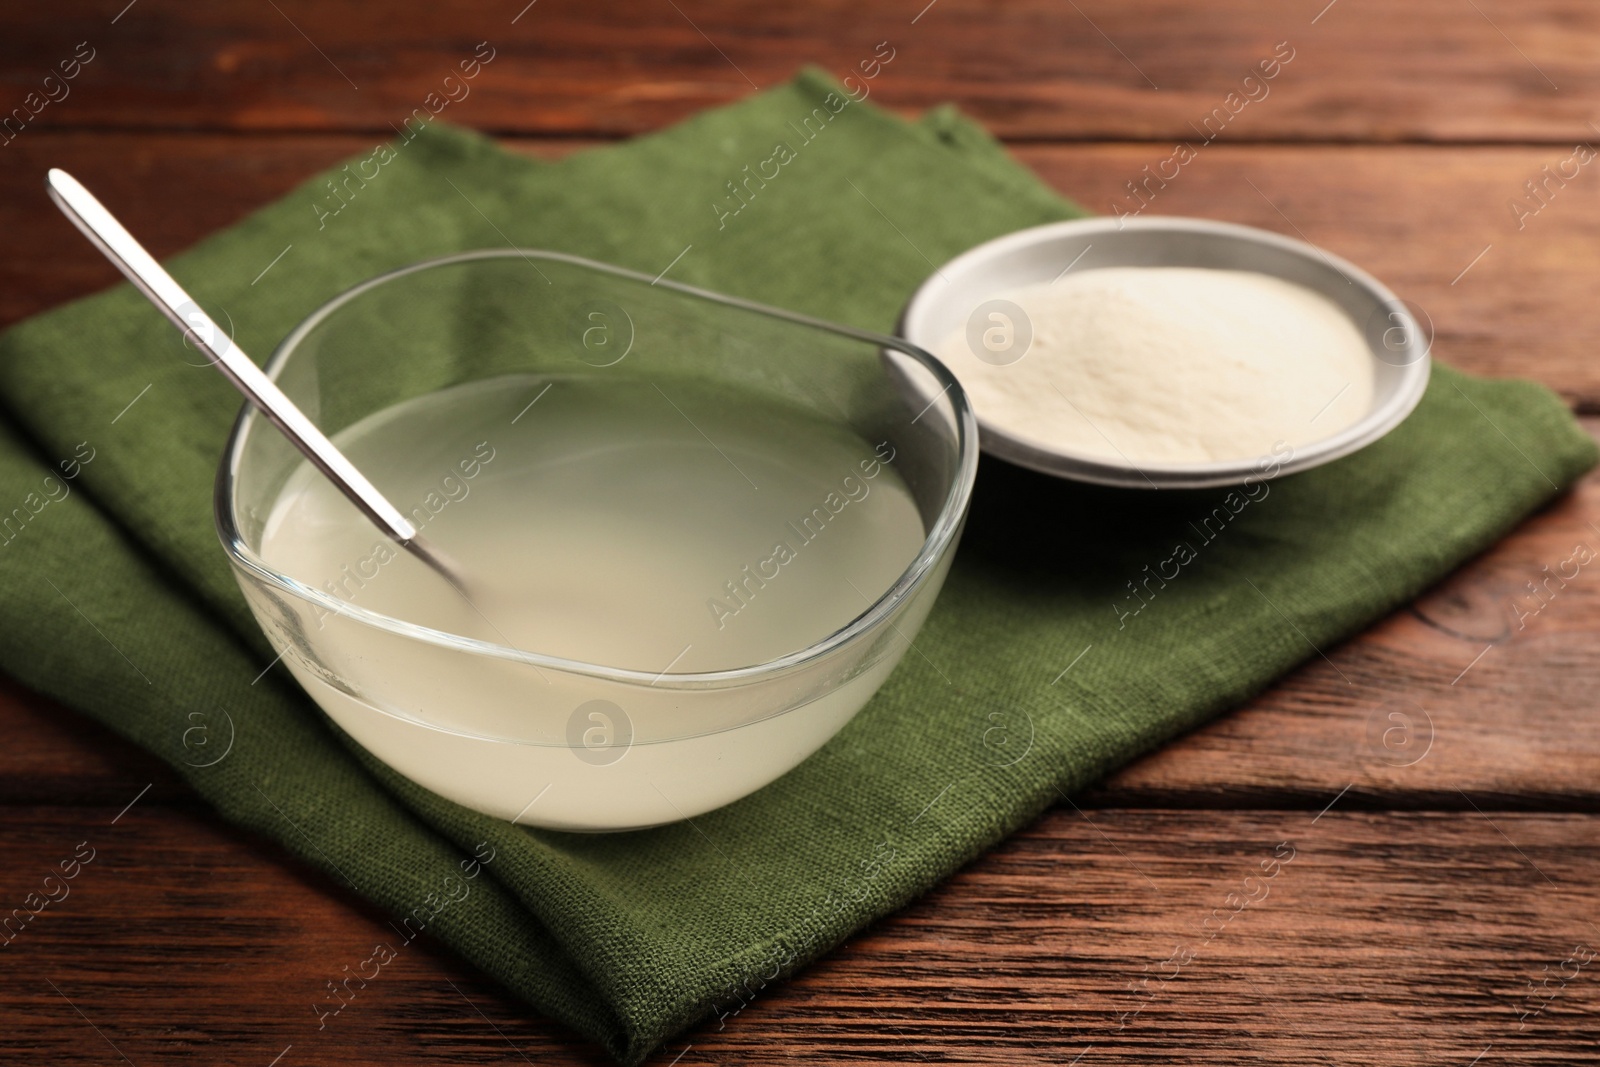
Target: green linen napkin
{"points": [[115, 597]]}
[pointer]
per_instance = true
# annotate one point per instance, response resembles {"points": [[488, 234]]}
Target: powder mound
{"points": [[1172, 365]]}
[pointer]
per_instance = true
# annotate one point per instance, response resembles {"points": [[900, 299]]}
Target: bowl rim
{"points": [[936, 544], [1036, 455]]}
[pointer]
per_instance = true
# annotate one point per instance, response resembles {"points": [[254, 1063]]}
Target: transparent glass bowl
{"points": [[546, 740]]}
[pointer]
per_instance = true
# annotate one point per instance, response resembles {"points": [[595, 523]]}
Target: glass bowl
{"points": [[529, 730]]}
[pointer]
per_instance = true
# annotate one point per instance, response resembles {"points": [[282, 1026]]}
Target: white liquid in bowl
{"points": [[662, 528]]}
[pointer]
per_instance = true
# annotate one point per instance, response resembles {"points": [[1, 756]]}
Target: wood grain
{"points": [[1445, 862], [1386, 939], [1033, 69]]}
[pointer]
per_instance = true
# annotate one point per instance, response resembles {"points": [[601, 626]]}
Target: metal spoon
{"points": [[130, 257]]}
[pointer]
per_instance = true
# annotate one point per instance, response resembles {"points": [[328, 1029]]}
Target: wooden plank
{"points": [[1037, 69], [1385, 939], [1420, 218], [54, 754]]}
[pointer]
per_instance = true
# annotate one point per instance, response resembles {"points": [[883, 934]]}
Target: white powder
{"points": [[1168, 365]]}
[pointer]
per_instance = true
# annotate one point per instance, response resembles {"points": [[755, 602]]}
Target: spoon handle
{"points": [[119, 246]]}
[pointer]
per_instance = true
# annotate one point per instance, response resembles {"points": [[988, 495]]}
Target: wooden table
{"points": [[1442, 904]]}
